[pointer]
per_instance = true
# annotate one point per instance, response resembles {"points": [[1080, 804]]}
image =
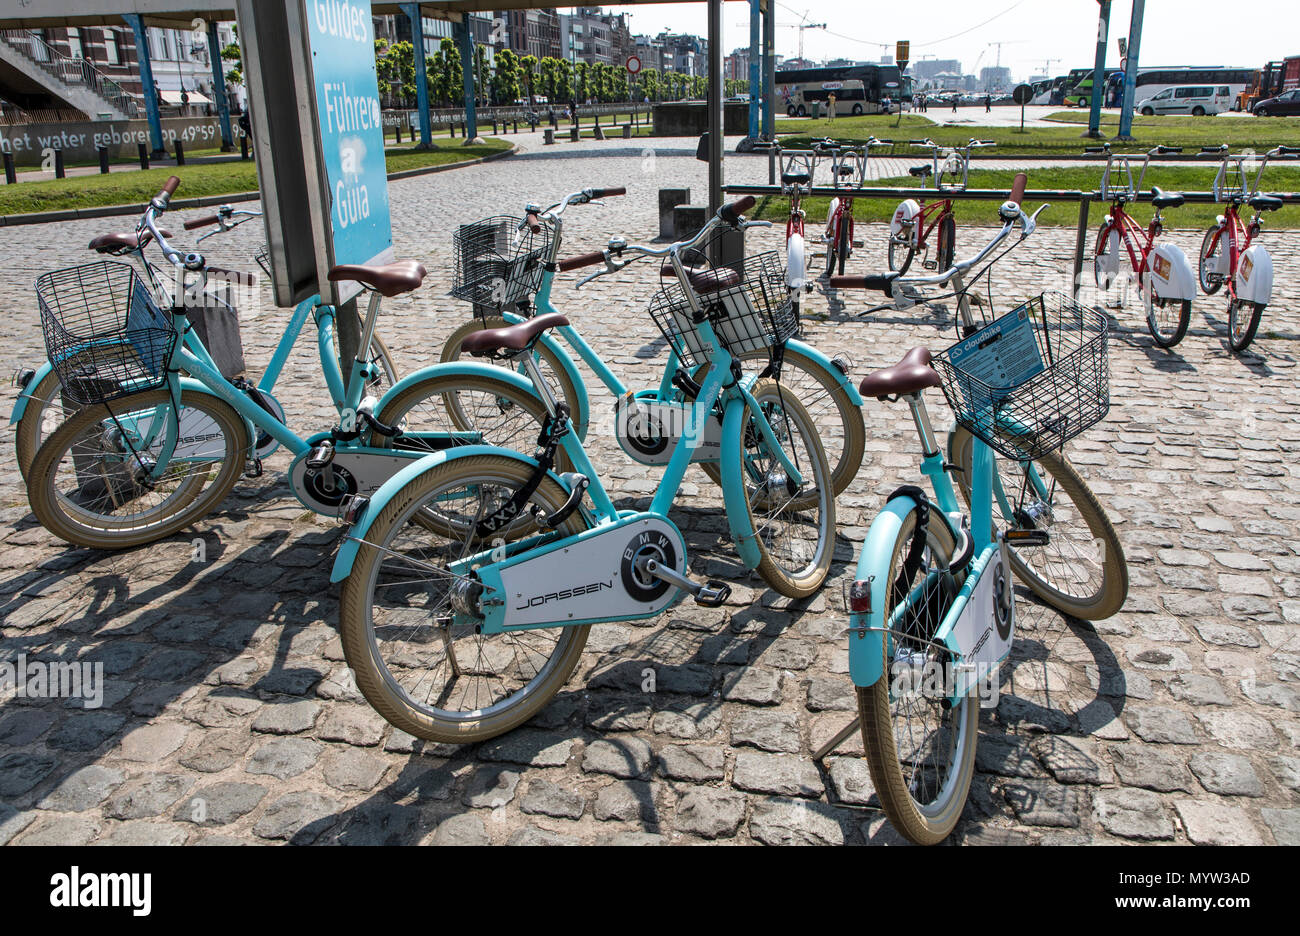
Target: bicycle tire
{"points": [[931, 820], [1111, 591], [1210, 247], [375, 677], [1241, 331], [768, 501], [818, 393], [548, 363], [194, 497], [1153, 304], [845, 244], [896, 247], [947, 243]]}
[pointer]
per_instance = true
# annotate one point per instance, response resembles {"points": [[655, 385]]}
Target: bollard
{"points": [[397, 132], [627, 131], [494, 126], [573, 134], [516, 125], [180, 153], [58, 164], [243, 146], [669, 199], [689, 220], [103, 160], [597, 131], [11, 175], [548, 137], [143, 150]]}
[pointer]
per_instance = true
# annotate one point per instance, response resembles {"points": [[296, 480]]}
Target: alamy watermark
{"points": [[34, 679]]}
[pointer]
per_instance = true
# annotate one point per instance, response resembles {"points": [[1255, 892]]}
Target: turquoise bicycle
{"points": [[42, 406], [932, 609], [150, 451], [509, 278], [470, 579]]}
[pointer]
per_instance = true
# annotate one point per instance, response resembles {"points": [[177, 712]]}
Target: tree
{"points": [[650, 84], [582, 83], [395, 65], [444, 70], [528, 69], [564, 81], [505, 80], [232, 53], [480, 74]]}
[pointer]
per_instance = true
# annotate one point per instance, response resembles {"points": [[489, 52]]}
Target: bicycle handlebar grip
{"points": [[609, 192], [1168, 149], [918, 142], [200, 222], [170, 186], [1211, 149], [731, 212], [872, 281], [533, 222], [1289, 150], [1018, 187], [581, 260], [1094, 149]]}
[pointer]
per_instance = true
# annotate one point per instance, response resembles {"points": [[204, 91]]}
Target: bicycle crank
{"points": [[712, 595]]}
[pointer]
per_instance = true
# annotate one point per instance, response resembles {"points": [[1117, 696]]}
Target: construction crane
{"points": [[801, 26]]}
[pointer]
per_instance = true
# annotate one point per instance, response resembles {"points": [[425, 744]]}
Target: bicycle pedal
{"points": [[1027, 537], [320, 456], [713, 595], [253, 468], [930, 264]]}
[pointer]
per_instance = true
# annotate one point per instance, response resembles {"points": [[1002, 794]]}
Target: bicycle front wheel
{"points": [[920, 751], [425, 673], [91, 482], [794, 524], [1081, 571], [548, 363]]}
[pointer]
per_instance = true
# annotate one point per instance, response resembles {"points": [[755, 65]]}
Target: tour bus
{"points": [[858, 89]]}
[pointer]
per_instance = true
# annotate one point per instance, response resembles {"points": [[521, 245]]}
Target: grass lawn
{"points": [[136, 188], [1083, 178], [1259, 133]]}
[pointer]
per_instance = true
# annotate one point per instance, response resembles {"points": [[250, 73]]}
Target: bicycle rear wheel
{"points": [[426, 674], [794, 525], [89, 484], [1082, 571], [920, 751], [1212, 247], [840, 424], [947, 243], [900, 254], [1243, 322]]}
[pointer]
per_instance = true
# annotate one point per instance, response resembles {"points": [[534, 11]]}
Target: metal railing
{"points": [[75, 72]]}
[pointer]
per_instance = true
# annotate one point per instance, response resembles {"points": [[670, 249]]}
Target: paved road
{"points": [[230, 717]]}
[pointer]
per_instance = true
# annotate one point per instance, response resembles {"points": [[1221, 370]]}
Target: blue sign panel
{"points": [[342, 44]]}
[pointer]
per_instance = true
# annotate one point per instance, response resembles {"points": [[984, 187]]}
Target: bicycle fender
{"points": [[795, 265], [866, 659], [1255, 276], [20, 405], [808, 351], [905, 218], [1170, 273], [456, 369], [347, 554]]}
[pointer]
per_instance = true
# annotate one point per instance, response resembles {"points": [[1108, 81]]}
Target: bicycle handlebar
{"points": [[1018, 188], [731, 213], [201, 222]]}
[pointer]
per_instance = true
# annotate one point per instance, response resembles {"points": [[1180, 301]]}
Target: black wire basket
{"points": [[747, 301], [1062, 393], [498, 261], [105, 335]]}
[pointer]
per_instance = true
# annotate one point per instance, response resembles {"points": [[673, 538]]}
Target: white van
{"points": [[1197, 100]]}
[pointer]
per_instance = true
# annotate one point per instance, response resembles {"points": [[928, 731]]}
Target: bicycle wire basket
{"points": [[263, 258], [746, 300], [1060, 395], [105, 335], [498, 261]]}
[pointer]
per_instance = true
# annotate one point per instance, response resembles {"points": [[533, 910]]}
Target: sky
{"points": [[1175, 32]]}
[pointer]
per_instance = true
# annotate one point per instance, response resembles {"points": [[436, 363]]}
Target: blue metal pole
{"points": [[466, 42], [146, 80], [412, 11], [755, 74], [1099, 71], [769, 70], [1131, 70], [219, 88]]}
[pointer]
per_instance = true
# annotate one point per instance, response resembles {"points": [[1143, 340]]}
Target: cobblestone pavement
{"points": [[229, 716]]}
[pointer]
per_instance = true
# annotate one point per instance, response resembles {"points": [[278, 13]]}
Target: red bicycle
{"points": [[848, 172], [797, 170], [914, 222], [1227, 252], [1164, 276]]}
